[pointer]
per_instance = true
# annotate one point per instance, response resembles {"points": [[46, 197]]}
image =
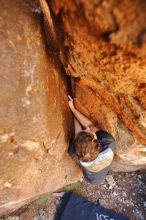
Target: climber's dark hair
{"points": [[86, 147]]}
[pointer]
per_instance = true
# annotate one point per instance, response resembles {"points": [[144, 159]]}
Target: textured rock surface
{"points": [[35, 121], [104, 46]]}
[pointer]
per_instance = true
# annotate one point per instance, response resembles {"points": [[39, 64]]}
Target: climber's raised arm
{"points": [[84, 121], [80, 117], [78, 126]]}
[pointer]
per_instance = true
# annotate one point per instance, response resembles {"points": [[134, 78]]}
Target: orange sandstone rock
{"points": [[35, 120], [104, 47]]}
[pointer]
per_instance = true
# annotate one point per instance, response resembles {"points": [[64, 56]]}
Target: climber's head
{"points": [[86, 146]]}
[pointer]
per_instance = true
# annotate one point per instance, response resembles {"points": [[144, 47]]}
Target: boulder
{"points": [[35, 120], [104, 49]]}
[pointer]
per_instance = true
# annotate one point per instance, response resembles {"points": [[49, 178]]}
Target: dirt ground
{"points": [[122, 192]]}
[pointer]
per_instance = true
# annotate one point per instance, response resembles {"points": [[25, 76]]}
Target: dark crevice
{"points": [[142, 85], [141, 38], [114, 30], [106, 36], [56, 50]]}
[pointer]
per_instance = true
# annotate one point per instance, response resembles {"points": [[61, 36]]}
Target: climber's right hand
{"points": [[71, 102]]}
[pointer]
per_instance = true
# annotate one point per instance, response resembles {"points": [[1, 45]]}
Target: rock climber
{"points": [[94, 148]]}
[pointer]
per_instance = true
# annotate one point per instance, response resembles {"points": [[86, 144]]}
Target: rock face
{"points": [[35, 121], [104, 48]]}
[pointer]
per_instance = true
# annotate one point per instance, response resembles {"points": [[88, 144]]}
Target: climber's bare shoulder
{"points": [[93, 128]]}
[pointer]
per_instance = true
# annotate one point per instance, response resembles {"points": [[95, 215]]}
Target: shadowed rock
{"points": [[35, 121]]}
